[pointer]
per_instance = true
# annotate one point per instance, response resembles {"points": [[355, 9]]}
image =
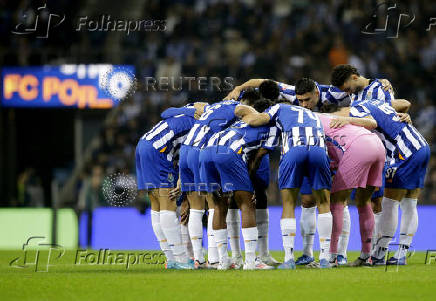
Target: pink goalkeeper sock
{"points": [[337, 210], [366, 222]]}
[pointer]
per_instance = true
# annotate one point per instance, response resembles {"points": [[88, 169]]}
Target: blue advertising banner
{"points": [[77, 86], [133, 231]]}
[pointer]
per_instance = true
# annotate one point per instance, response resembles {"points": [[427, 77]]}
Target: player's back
{"points": [[243, 139], [401, 139], [215, 118], [168, 134], [299, 126]]}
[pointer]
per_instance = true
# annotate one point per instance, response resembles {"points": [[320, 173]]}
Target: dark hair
{"points": [[329, 108], [262, 104], [269, 89], [341, 73], [304, 85], [251, 95]]}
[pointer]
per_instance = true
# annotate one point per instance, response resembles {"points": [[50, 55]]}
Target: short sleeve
{"points": [[273, 111], [359, 111]]}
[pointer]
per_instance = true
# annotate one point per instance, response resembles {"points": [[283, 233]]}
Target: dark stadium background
{"points": [[282, 40]]}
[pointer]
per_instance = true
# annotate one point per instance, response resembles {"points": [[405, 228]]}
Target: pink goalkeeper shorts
{"points": [[361, 165]]}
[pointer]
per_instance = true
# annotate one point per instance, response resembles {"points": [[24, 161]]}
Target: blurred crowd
{"points": [[278, 39]]}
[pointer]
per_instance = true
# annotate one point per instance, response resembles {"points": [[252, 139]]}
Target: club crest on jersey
{"points": [[170, 178], [368, 96]]}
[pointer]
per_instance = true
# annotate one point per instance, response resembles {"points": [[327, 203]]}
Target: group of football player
{"points": [[350, 140]]}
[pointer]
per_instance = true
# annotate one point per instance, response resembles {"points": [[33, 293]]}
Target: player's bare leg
{"points": [[325, 221], [288, 226], [197, 203]]}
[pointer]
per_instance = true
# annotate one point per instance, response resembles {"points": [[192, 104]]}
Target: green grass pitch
{"points": [[67, 281]]}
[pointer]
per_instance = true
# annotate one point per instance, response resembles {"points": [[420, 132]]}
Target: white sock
{"points": [[155, 222], [325, 224], [376, 232], [233, 231], [212, 251], [345, 235], [408, 226], [221, 243], [308, 228], [186, 240], [289, 228], [195, 226], [387, 226], [171, 228], [262, 224], [250, 241]]}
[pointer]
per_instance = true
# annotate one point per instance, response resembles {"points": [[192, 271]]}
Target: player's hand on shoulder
{"points": [[404, 117], [234, 94], [386, 84], [339, 122]]}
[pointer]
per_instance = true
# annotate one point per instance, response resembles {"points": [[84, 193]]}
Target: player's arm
{"points": [[401, 105], [191, 110], [243, 110], [257, 119], [367, 122], [254, 83]]}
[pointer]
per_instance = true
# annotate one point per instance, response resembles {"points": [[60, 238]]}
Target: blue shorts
{"points": [[409, 174], [378, 193], [221, 165], [153, 170], [300, 162], [262, 173], [189, 168], [306, 188]]}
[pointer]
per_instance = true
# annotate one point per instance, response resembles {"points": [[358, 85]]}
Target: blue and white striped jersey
{"points": [[243, 139], [299, 126], [327, 94], [215, 118], [168, 135], [373, 91], [401, 139]]}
